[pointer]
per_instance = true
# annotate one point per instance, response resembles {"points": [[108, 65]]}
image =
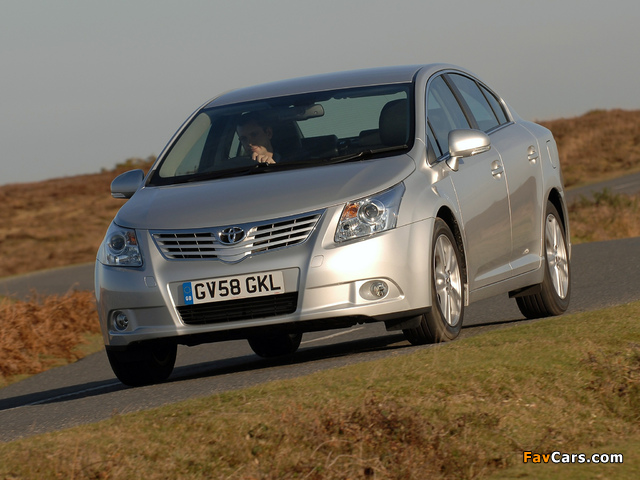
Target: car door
{"points": [[481, 190], [521, 159], [518, 149]]}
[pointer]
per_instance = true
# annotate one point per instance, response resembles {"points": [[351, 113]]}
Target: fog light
{"points": [[121, 321], [374, 290], [379, 289]]}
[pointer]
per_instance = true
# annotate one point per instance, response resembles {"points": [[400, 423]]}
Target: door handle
{"points": [[496, 169], [532, 154]]}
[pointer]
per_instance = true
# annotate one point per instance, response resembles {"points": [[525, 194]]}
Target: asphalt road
{"points": [[629, 184], [57, 281], [604, 274]]}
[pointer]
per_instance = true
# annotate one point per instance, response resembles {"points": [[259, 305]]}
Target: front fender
{"points": [[429, 190]]}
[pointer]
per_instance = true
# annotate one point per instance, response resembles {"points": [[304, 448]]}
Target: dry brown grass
{"points": [[56, 222], [598, 144], [37, 334], [605, 216]]}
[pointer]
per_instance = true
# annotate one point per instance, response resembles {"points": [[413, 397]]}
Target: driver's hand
{"points": [[263, 158]]}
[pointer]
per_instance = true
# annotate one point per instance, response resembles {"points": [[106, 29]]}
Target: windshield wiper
{"points": [[366, 154], [266, 167], [232, 172]]}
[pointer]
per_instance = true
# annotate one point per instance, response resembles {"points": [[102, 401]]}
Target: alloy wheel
{"points": [[557, 259], [448, 282]]}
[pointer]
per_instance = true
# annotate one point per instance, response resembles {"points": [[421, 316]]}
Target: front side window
{"points": [[476, 101], [298, 131], [443, 113]]}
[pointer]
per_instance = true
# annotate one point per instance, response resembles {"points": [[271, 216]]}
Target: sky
{"points": [[85, 85]]}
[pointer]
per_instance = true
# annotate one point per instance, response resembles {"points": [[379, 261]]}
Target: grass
{"points": [[604, 216], [58, 222], [464, 410], [597, 145], [46, 332]]}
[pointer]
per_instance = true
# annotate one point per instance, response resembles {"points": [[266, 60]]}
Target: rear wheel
{"points": [[276, 345], [143, 364], [444, 320], [553, 297]]}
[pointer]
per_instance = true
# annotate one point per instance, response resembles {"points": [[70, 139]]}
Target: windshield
{"points": [[290, 132]]}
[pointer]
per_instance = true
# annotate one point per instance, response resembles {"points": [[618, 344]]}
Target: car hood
{"points": [[260, 196]]}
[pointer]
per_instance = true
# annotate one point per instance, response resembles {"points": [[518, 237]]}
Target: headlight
{"points": [[120, 248], [370, 215]]}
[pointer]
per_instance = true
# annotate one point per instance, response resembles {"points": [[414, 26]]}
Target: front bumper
{"points": [[331, 281]]}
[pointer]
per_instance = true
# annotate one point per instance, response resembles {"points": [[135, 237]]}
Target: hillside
{"points": [[597, 145], [56, 222], [62, 221]]}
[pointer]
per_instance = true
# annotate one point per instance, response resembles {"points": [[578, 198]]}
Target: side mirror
{"points": [[466, 143], [126, 184]]}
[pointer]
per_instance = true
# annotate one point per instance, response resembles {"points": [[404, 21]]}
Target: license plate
{"points": [[233, 288]]}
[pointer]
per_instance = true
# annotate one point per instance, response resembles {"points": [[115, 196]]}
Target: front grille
{"points": [[186, 245], [258, 238], [236, 310]]}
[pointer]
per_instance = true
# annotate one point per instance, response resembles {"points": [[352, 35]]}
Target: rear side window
{"points": [[478, 104], [443, 113], [495, 105]]}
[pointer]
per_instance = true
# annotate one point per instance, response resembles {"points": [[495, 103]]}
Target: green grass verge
{"points": [[467, 409]]}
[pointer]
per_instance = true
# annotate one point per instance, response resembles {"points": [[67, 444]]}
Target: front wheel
{"points": [[553, 297], [275, 345], [444, 320], [143, 364]]}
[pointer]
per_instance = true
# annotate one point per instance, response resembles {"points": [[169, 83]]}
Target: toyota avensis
{"points": [[396, 195]]}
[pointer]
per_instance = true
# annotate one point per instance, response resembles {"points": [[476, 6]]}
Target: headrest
{"points": [[394, 123]]}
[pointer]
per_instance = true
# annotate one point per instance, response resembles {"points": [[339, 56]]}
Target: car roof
{"points": [[327, 81]]}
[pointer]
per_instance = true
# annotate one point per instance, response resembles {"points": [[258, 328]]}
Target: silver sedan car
{"points": [[396, 195]]}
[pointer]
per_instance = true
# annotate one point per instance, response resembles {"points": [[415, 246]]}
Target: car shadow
{"points": [[305, 355], [62, 394], [354, 350]]}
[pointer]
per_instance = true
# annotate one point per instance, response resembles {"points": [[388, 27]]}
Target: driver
{"points": [[255, 136]]}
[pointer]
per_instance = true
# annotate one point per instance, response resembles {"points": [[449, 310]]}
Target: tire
{"points": [[444, 320], [555, 290], [275, 345], [143, 364]]}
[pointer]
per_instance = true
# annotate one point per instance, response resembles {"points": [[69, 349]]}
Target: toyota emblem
{"points": [[231, 235]]}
